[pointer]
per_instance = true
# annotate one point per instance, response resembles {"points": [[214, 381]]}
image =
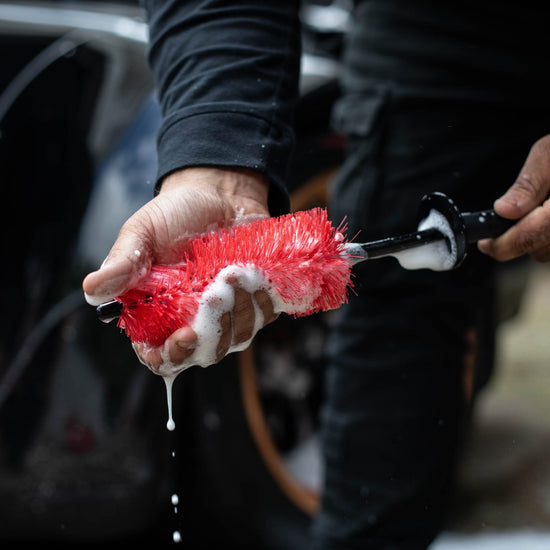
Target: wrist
{"points": [[241, 187]]}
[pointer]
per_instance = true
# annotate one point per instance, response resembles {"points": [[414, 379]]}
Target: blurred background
{"points": [[84, 453]]}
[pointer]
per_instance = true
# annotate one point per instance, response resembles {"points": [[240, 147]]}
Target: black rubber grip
{"points": [[486, 224]]}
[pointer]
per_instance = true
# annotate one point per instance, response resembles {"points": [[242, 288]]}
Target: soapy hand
{"points": [[191, 201], [526, 201]]}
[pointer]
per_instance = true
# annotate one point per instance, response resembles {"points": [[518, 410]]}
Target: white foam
{"points": [[435, 256], [216, 300]]}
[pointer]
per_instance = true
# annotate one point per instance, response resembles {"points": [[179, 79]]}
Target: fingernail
{"points": [[186, 345], [93, 300], [483, 245]]}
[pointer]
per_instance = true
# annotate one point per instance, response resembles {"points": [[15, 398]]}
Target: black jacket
{"points": [[227, 79], [227, 72]]}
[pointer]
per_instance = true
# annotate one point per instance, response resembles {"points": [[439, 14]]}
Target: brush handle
{"points": [[485, 224], [392, 245], [467, 227]]}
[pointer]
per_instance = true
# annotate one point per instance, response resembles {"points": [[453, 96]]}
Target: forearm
{"points": [[227, 82]]}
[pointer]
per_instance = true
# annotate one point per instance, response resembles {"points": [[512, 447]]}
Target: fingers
{"points": [[176, 350], [524, 202], [530, 235], [532, 185], [266, 306], [243, 316], [224, 343], [239, 325], [249, 313]]}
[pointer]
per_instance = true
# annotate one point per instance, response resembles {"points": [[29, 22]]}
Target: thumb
{"points": [[128, 262], [532, 185]]}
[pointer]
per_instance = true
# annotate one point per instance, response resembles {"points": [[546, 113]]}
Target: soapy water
{"points": [[169, 381]]}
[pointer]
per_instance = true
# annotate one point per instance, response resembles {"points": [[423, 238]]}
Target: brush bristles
{"points": [[301, 256]]}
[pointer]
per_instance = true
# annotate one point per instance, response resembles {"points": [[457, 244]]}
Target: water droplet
{"points": [[169, 380]]}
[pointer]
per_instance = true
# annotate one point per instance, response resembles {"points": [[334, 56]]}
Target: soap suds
{"points": [[217, 299], [435, 256]]}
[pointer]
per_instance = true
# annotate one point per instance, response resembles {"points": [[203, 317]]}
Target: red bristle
{"points": [[301, 255]]}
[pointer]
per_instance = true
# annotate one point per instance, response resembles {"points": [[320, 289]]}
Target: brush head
{"points": [[301, 259]]}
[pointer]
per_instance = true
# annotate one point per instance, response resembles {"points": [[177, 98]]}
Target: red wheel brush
{"points": [[299, 259]]}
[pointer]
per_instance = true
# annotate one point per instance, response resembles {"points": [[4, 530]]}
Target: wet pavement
{"points": [[503, 497]]}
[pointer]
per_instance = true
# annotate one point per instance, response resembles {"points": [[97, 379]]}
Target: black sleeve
{"points": [[227, 78]]}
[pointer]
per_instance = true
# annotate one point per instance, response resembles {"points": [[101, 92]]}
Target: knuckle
{"points": [[533, 180], [243, 316], [531, 241], [264, 302], [243, 329], [528, 185], [243, 301]]}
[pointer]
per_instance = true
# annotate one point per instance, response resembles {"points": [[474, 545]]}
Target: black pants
{"points": [[399, 383]]}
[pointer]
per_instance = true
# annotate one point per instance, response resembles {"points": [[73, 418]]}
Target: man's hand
{"points": [[191, 202], [526, 201]]}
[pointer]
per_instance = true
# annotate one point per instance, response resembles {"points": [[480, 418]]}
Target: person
{"points": [[447, 97]]}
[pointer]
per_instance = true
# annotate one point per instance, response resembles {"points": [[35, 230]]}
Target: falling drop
{"points": [[176, 536], [169, 380]]}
